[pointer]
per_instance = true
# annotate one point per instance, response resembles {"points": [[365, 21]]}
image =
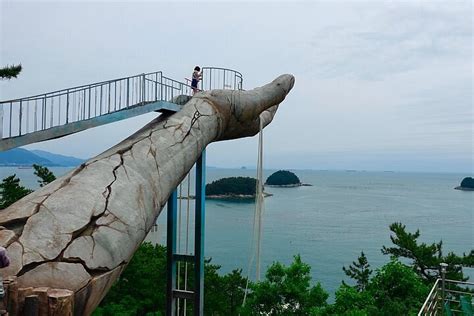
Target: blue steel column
{"points": [[200, 212], [171, 250]]}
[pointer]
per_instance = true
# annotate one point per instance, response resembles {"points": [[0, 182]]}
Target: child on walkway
{"points": [[197, 76]]}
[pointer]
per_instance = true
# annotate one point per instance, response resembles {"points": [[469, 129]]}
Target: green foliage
{"points": [[11, 191], [44, 174], [394, 290], [285, 291], [232, 185], [350, 301], [467, 182], [282, 177], [359, 271], [141, 287], [9, 72], [425, 258], [223, 295], [397, 289]]}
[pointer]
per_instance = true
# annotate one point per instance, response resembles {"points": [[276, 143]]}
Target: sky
{"points": [[380, 85]]}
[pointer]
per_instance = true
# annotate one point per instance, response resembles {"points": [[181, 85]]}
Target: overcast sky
{"points": [[379, 85]]}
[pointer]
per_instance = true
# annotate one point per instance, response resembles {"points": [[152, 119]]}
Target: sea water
{"points": [[330, 222]]}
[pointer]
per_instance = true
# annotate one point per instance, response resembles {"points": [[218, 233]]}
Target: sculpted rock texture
{"points": [[80, 231]]}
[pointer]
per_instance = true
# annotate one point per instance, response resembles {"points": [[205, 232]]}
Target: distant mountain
{"points": [[23, 157], [58, 160]]}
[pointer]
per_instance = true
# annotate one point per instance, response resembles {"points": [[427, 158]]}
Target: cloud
{"points": [[370, 76], [381, 40]]}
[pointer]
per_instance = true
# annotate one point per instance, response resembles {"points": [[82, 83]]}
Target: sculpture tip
{"points": [[286, 81]]}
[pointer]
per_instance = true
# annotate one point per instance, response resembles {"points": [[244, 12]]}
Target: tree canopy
{"points": [[11, 191], [426, 258], [359, 271], [467, 182], [9, 72], [232, 186], [286, 290], [283, 177], [45, 176]]}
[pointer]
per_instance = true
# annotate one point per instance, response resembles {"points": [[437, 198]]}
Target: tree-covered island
{"points": [[284, 178], [232, 188], [467, 184]]}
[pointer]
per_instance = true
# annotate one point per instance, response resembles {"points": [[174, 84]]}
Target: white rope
{"points": [[180, 199], [256, 247]]}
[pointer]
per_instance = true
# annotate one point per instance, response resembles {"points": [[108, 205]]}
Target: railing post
{"points": [[156, 86], [1, 121], [128, 92], [143, 89], [109, 98], [161, 86], [21, 114], [89, 107], [10, 124], [100, 100], [443, 278], [43, 123], [67, 106]]}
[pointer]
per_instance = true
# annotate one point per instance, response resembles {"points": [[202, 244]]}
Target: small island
{"points": [[233, 188], [467, 184], [284, 178]]}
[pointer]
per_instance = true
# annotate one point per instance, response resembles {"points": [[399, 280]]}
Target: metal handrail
{"points": [[79, 87], [439, 296], [429, 305], [221, 78], [43, 111]]}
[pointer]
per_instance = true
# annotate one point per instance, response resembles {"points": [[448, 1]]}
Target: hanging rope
{"points": [[256, 245], [180, 199]]}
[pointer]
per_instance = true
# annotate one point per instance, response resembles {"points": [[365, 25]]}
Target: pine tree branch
{"points": [[9, 72]]}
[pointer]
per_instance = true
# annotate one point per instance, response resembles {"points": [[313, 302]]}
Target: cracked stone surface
{"points": [[59, 275], [80, 231]]}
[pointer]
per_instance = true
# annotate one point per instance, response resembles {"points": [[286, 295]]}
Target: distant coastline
{"points": [[235, 197], [464, 188], [294, 185]]}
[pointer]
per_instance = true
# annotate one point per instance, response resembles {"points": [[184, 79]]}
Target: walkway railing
{"points": [[19, 117], [221, 78], [44, 111], [449, 297]]}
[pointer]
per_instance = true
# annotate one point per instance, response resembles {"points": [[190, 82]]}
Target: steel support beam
{"points": [[200, 212], [171, 229], [172, 292]]}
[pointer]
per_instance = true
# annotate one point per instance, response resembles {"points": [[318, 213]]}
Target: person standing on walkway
{"points": [[197, 76]]}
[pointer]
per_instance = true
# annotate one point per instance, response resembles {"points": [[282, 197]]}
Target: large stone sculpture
{"points": [[79, 232]]}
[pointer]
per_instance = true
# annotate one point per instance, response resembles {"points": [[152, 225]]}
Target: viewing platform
{"points": [[59, 113]]}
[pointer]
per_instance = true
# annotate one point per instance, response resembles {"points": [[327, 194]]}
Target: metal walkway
{"points": [[67, 111]]}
